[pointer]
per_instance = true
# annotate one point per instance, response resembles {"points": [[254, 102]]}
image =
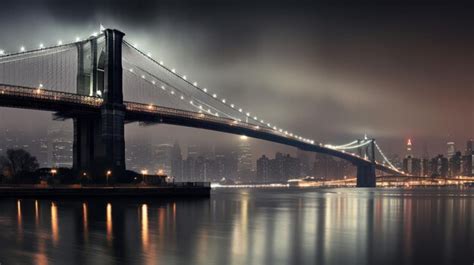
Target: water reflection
{"points": [[54, 223], [109, 222], [326, 226]]}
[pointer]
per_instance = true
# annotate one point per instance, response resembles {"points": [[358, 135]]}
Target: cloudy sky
{"points": [[331, 70]]}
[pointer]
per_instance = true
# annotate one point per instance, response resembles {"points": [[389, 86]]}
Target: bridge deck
{"points": [[68, 104]]}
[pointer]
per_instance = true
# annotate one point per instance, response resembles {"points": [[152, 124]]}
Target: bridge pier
{"points": [[366, 176], [99, 145]]}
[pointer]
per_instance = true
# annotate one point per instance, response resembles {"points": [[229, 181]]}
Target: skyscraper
{"points": [[244, 166], [409, 151], [451, 149], [263, 169], [176, 162], [469, 145], [163, 158]]}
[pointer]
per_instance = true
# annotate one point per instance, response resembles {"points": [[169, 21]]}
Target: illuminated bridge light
{"points": [[172, 92], [22, 49], [173, 70], [2, 52], [182, 97], [148, 54], [131, 70], [95, 34], [195, 84], [135, 45], [214, 95], [143, 76], [163, 87], [248, 114], [60, 42], [240, 110], [232, 105], [161, 62], [255, 118], [153, 82], [204, 89], [274, 128], [184, 77], [191, 102], [41, 46], [223, 100], [78, 39]]}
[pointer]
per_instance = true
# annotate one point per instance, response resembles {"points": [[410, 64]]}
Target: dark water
{"points": [[277, 226]]}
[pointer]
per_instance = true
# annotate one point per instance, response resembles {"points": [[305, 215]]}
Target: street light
{"points": [[144, 172], [53, 173], [107, 175]]}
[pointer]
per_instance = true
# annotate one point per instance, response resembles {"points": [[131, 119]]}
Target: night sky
{"points": [[330, 70]]}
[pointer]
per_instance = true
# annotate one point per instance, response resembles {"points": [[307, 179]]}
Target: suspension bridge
{"points": [[103, 82]]}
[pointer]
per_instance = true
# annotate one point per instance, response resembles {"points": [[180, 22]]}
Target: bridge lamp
{"points": [[240, 110], [107, 175], [153, 82], [280, 130], [135, 45], [223, 100], [214, 95], [200, 106], [268, 124], [274, 128], [148, 54], [161, 62], [173, 70], [78, 39], [60, 42], [143, 76], [217, 114], [95, 34], [41, 46], [131, 70], [184, 77], [257, 127], [232, 105], [172, 92], [204, 89], [163, 87], [182, 97], [248, 114], [255, 118], [22, 49], [191, 102], [2, 52], [195, 84]]}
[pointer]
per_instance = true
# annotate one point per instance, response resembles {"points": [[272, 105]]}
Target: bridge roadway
{"points": [[67, 105]]}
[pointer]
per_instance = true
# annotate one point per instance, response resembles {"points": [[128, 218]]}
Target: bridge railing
{"points": [[153, 109], [43, 94]]}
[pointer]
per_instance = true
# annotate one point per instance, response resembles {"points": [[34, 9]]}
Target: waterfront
{"points": [[246, 226]]}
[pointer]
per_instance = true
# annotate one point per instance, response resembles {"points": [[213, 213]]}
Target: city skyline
{"points": [[239, 160]]}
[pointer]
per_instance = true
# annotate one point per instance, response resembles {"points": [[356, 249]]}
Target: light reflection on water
{"points": [[275, 226]]}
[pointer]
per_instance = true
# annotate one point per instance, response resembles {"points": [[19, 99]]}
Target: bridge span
{"points": [[96, 104]]}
